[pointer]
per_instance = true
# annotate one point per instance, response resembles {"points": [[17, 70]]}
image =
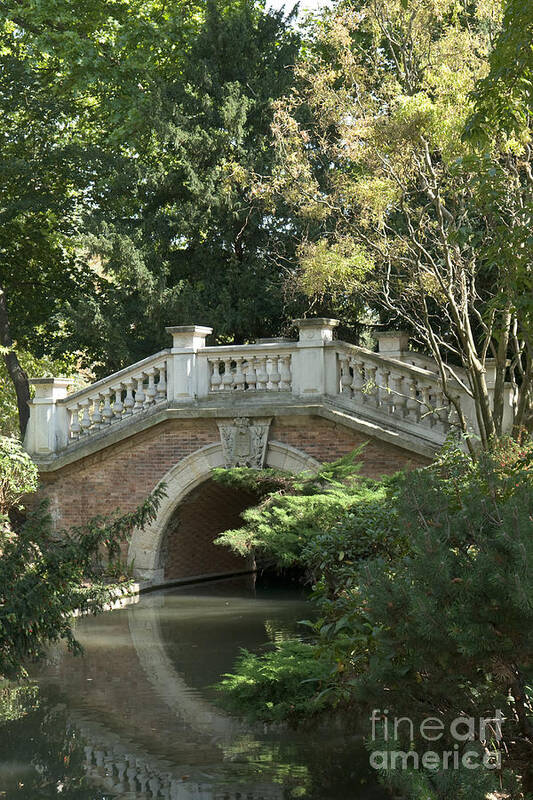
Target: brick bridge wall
{"points": [[121, 476]]}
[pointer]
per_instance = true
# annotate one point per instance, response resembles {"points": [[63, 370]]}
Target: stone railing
{"points": [[252, 368], [394, 386], [126, 393], [389, 387], [126, 774]]}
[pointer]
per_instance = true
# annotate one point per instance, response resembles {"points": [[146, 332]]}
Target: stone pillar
{"points": [[314, 364], [392, 344], [47, 430], [188, 375]]}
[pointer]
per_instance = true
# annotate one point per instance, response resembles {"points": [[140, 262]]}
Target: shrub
{"points": [[18, 474]]}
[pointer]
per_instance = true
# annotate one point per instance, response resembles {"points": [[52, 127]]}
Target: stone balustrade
{"points": [[266, 368], [129, 392], [395, 386], [389, 387], [140, 776]]}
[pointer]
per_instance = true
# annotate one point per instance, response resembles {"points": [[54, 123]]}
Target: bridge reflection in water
{"points": [[141, 703]]}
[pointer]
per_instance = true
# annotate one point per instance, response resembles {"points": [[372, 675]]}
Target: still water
{"points": [[136, 717]]}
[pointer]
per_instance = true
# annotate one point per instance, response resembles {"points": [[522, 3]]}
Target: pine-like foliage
{"points": [[451, 625], [321, 522]]}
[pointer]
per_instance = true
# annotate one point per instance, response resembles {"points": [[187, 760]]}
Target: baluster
{"points": [[399, 398], [249, 370], [216, 378], [386, 398], [356, 385], [131, 774], [96, 416], [346, 378], [162, 384], [261, 374], [107, 411], [285, 373], [372, 391], [129, 402], [75, 427], [227, 377], [427, 410], [121, 770], [117, 405], [140, 397], [413, 406], [151, 391], [441, 409], [143, 778], [273, 374], [85, 418], [238, 377]]}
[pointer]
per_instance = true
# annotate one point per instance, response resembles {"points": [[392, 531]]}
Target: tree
{"points": [[179, 234], [433, 233], [504, 98], [450, 623], [135, 210], [428, 615], [46, 576]]}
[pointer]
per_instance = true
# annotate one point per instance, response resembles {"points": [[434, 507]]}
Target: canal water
{"points": [[136, 717]]}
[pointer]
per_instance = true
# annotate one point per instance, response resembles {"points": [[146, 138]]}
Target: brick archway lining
{"points": [[145, 550], [188, 548]]}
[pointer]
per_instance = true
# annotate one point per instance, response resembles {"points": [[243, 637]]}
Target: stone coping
{"points": [[411, 437]]}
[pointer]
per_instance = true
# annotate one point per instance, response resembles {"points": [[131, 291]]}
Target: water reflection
{"points": [[135, 717]]}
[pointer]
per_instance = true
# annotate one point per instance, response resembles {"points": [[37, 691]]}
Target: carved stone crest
{"points": [[244, 441]]}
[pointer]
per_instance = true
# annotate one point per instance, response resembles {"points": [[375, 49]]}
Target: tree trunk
{"points": [[15, 371], [501, 361]]}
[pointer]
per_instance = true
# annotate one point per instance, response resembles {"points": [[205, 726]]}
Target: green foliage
{"points": [[46, 577], [284, 684], [46, 366], [18, 475], [401, 212], [302, 515], [178, 233], [16, 701], [449, 626], [327, 523], [504, 98], [437, 620]]}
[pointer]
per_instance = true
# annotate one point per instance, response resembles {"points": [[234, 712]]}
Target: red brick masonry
{"points": [[122, 475]]}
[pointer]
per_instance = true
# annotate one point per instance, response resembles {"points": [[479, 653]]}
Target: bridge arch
{"points": [[146, 547]]}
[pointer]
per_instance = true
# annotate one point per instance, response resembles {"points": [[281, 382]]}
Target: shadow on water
{"points": [[135, 718]]}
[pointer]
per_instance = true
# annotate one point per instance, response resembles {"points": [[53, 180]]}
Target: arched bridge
{"points": [[174, 416]]}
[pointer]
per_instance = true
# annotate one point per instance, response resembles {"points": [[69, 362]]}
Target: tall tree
{"points": [[126, 133], [433, 233], [178, 232]]}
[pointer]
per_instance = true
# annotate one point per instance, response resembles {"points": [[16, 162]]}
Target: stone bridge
{"points": [[178, 414]]}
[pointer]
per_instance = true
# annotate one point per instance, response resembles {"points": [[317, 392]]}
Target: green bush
{"points": [[283, 684], [45, 576], [18, 474], [425, 598], [315, 521]]}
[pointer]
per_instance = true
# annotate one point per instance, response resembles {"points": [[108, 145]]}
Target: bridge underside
{"points": [[182, 450], [187, 547]]}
